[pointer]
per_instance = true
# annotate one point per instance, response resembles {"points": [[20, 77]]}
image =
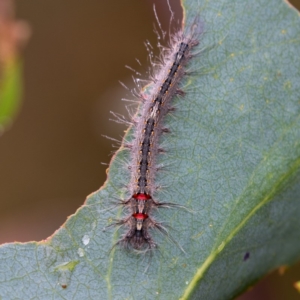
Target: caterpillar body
{"points": [[144, 148]]}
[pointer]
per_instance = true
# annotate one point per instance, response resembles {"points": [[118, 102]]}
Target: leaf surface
{"points": [[233, 160]]}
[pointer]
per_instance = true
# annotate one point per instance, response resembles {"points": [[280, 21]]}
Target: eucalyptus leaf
{"points": [[233, 160]]}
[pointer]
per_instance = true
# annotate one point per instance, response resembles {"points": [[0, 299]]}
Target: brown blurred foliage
{"points": [[13, 33]]}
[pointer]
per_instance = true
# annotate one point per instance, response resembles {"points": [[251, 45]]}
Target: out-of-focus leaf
{"points": [[13, 34], [10, 93]]}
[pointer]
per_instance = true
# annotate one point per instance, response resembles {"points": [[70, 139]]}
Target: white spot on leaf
{"points": [[80, 252], [85, 239]]}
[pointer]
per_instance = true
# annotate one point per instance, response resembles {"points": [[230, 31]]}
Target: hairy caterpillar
{"points": [[148, 126]]}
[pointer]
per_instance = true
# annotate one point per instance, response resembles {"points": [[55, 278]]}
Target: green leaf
{"points": [[10, 92], [233, 159]]}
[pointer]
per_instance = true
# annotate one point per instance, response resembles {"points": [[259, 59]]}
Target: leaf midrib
{"points": [[217, 249]]}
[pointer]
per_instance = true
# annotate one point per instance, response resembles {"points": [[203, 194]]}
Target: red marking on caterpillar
{"points": [[144, 148], [141, 197]]}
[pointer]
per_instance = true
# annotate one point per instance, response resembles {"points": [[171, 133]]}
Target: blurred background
{"points": [[50, 159]]}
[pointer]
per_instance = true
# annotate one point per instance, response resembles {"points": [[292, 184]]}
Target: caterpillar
{"points": [[148, 126]]}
